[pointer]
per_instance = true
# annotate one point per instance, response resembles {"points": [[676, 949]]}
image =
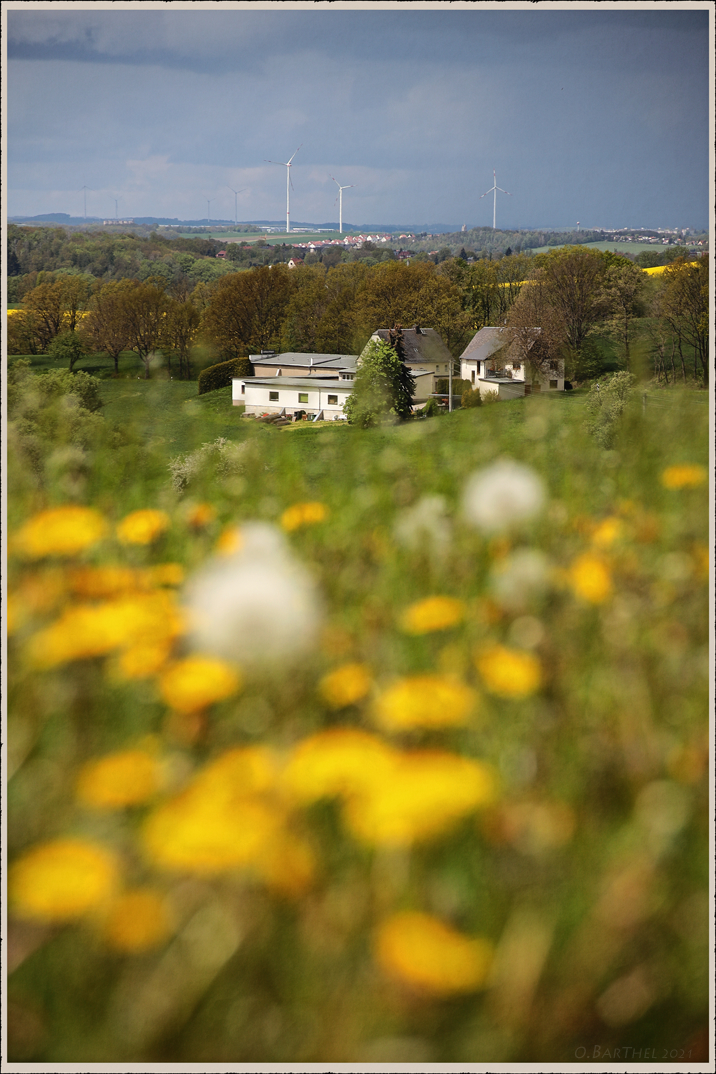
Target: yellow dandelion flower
{"points": [[607, 532], [121, 779], [424, 701], [433, 613], [287, 865], [426, 792], [208, 831], [60, 531], [142, 527], [193, 684], [336, 762], [303, 514], [200, 515], [683, 477], [171, 574], [62, 880], [98, 582], [590, 578], [88, 630], [230, 541], [143, 661], [243, 771], [345, 685], [508, 672], [422, 951], [138, 920]]}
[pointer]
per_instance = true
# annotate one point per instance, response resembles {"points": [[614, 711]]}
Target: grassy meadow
{"points": [[337, 745]]}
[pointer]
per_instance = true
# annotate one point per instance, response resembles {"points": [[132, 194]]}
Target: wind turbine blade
{"points": [[281, 162], [504, 191], [289, 161], [487, 192]]}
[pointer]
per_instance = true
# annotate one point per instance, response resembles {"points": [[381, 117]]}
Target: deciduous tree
{"points": [[378, 389], [145, 309], [106, 323], [247, 310], [622, 289]]}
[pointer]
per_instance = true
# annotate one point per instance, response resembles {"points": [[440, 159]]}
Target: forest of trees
{"points": [[109, 293]]}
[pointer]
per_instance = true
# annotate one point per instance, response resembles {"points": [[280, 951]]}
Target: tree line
{"points": [[592, 308]]}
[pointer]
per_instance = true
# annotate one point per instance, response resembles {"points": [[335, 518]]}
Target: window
{"points": [[473, 376], [303, 397], [517, 366], [273, 397], [553, 383], [333, 399], [243, 388]]}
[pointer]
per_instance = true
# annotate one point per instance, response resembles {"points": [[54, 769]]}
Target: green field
{"points": [[322, 821]]}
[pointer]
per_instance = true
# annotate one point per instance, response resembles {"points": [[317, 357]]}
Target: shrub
{"points": [[470, 398], [442, 386], [221, 375], [222, 458], [431, 408]]}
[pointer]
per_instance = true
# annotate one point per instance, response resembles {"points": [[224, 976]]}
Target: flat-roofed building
{"points": [[316, 396]]}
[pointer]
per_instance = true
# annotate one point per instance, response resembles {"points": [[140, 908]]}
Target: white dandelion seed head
{"points": [[502, 496], [518, 579], [257, 606], [424, 522]]}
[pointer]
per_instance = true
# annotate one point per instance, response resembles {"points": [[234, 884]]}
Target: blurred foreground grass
{"points": [[330, 819]]}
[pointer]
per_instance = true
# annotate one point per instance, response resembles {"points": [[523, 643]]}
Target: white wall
{"points": [[257, 397]]}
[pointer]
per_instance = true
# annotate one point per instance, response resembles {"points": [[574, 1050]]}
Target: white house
{"points": [[497, 362], [319, 397]]}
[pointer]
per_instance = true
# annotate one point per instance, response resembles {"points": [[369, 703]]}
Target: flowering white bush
{"points": [[502, 495], [256, 606]]}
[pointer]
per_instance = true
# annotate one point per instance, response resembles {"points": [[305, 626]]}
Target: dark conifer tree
{"points": [[405, 389]]}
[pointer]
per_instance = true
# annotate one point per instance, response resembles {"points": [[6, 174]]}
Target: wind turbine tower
{"points": [[287, 165], [236, 202], [86, 188], [349, 186], [494, 188]]}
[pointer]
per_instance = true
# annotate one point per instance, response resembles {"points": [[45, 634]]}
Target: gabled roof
{"points": [[419, 344], [486, 343]]}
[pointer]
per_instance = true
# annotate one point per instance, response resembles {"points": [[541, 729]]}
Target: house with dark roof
{"points": [[425, 355], [506, 362]]}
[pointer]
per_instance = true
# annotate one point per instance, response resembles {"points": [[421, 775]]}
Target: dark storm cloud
{"points": [[580, 111]]}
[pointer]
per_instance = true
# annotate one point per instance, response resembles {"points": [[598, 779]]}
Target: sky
{"points": [[598, 114]]}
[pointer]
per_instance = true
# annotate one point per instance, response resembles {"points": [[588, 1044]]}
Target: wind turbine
{"points": [[340, 202], [287, 166], [115, 200], [86, 188], [236, 195], [208, 207], [495, 187]]}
